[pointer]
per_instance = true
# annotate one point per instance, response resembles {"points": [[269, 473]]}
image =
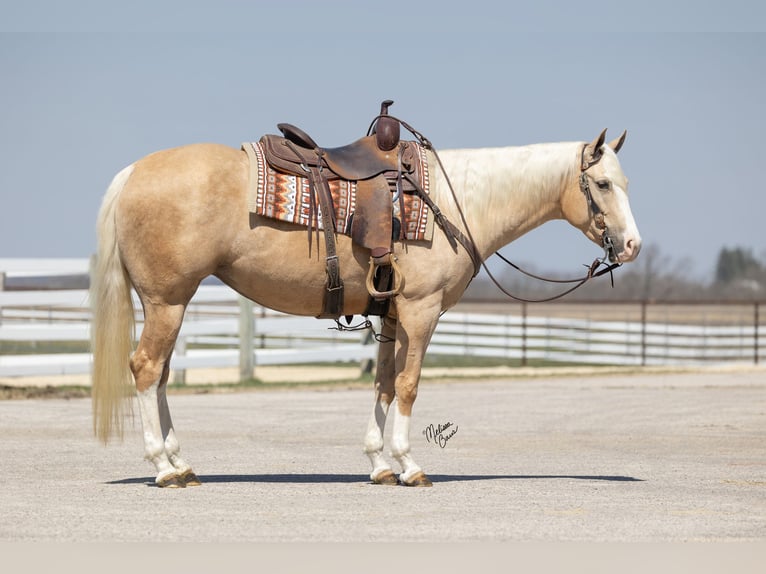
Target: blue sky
{"points": [[89, 87]]}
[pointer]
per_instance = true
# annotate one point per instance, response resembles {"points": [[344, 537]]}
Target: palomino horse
{"points": [[177, 216]]}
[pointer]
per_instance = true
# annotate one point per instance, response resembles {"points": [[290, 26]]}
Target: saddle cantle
{"points": [[356, 161], [382, 168]]}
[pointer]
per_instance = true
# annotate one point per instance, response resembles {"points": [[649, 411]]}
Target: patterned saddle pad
{"points": [[286, 197]]}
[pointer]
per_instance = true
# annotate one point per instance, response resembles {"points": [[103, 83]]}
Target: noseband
{"points": [[596, 212]]}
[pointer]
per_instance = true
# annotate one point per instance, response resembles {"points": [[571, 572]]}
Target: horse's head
{"points": [[598, 203]]}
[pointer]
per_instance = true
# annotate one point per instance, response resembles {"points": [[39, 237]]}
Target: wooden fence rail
{"points": [[212, 333]]}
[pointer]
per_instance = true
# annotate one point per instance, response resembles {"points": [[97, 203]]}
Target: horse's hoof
{"points": [[171, 481], [420, 479], [387, 477], [190, 479]]}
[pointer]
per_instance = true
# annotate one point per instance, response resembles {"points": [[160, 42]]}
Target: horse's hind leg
{"points": [[151, 367], [384, 396], [172, 447]]}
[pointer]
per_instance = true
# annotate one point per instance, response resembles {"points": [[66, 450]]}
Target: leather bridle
{"points": [[597, 214]]}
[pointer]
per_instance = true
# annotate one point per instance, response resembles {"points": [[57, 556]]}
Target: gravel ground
{"points": [[640, 458]]}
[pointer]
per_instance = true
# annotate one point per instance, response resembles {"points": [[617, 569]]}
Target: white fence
{"points": [[212, 322], [210, 336], [585, 341]]}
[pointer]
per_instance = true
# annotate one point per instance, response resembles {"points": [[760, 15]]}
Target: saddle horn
{"points": [[387, 128]]}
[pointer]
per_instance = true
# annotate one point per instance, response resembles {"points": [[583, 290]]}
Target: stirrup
{"points": [[398, 279]]}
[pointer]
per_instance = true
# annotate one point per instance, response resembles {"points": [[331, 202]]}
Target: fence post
{"points": [[524, 334], [179, 376], [756, 321], [367, 366], [2, 288], [246, 335], [92, 262], [643, 333]]}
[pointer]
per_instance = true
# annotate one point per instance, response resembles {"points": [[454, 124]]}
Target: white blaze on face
{"points": [[631, 239], [619, 219]]}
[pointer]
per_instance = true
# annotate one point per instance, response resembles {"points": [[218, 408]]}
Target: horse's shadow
{"points": [[360, 478]]}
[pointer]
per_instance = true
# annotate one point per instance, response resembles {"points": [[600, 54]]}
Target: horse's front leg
{"points": [[417, 322], [384, 396]]}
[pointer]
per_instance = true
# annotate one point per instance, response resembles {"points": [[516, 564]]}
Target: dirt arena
{"points": [[657, 457]]}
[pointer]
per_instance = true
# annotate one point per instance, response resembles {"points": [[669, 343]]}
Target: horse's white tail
{"points": [[113, 323]]}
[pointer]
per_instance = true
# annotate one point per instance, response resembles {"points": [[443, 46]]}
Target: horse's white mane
{"points": [[526, 170], [509, 187]]}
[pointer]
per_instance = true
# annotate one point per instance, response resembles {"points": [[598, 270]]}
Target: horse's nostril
{"points": [[632, 247]]}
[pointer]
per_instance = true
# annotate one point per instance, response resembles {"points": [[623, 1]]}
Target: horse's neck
{"points": [[506, 192]]}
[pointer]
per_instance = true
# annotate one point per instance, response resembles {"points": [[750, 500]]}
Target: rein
{"points": [[580, 281], [469, 244]]}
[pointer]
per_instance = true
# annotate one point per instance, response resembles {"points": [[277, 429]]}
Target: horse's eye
{"points": [[604, 184]]}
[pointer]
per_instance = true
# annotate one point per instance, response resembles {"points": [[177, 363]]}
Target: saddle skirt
{"points": [[286, 197]]}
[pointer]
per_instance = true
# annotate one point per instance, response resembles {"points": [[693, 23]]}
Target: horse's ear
{"points": [[593, 151], [616, 144]]}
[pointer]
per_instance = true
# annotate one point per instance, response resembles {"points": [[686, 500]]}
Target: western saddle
{"points": [[380, 163]]}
